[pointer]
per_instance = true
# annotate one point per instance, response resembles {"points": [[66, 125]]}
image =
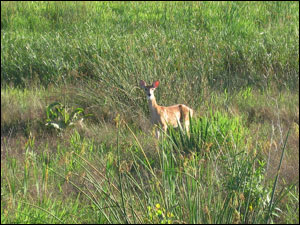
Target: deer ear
{"points": [[155, 84], [142, 83]]}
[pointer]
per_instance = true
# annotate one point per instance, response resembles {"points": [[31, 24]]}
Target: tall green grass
{"points": [[219, 44], [224, 184], [234, 63]]}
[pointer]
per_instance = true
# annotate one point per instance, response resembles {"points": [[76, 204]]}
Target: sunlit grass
{"points": [[234, 63], [220, 44], [223, 182]]}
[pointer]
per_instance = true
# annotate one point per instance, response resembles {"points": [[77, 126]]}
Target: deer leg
{"points": [[187, 127], [187, 117], [164, 127], [157, 133]]}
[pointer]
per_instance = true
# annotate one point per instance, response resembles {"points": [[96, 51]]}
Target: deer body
{"points": [[166, 116]]}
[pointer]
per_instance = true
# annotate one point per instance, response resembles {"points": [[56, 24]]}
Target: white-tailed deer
{"points": [[166, 116]]}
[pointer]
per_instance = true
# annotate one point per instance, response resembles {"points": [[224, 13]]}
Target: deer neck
{"points": [[152, 104]]}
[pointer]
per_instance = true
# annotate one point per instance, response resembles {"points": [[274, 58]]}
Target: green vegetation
{"points": [[227, 45], [235, 63]]}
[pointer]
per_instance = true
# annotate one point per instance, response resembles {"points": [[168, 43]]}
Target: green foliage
{"points": [[158, 215], [224, 184], [220, 44], [212, 56], [60, 116], [206, 134], [241, 173]]}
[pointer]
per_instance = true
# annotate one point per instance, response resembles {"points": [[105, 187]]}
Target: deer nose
{"points": [[149, 95]]}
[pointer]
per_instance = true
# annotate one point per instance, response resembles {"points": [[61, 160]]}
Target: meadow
{"points": [[77, 145]]}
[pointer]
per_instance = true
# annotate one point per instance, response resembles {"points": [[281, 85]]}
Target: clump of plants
{"points": [[60, 116]]}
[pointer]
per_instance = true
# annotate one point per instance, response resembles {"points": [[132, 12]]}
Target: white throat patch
{"points": [[150, 98]]}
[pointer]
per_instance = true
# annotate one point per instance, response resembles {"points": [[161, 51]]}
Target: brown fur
{"points": [[166, 116]]}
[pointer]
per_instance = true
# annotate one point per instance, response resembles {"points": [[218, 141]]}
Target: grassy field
{"points": [[235, 63]]}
